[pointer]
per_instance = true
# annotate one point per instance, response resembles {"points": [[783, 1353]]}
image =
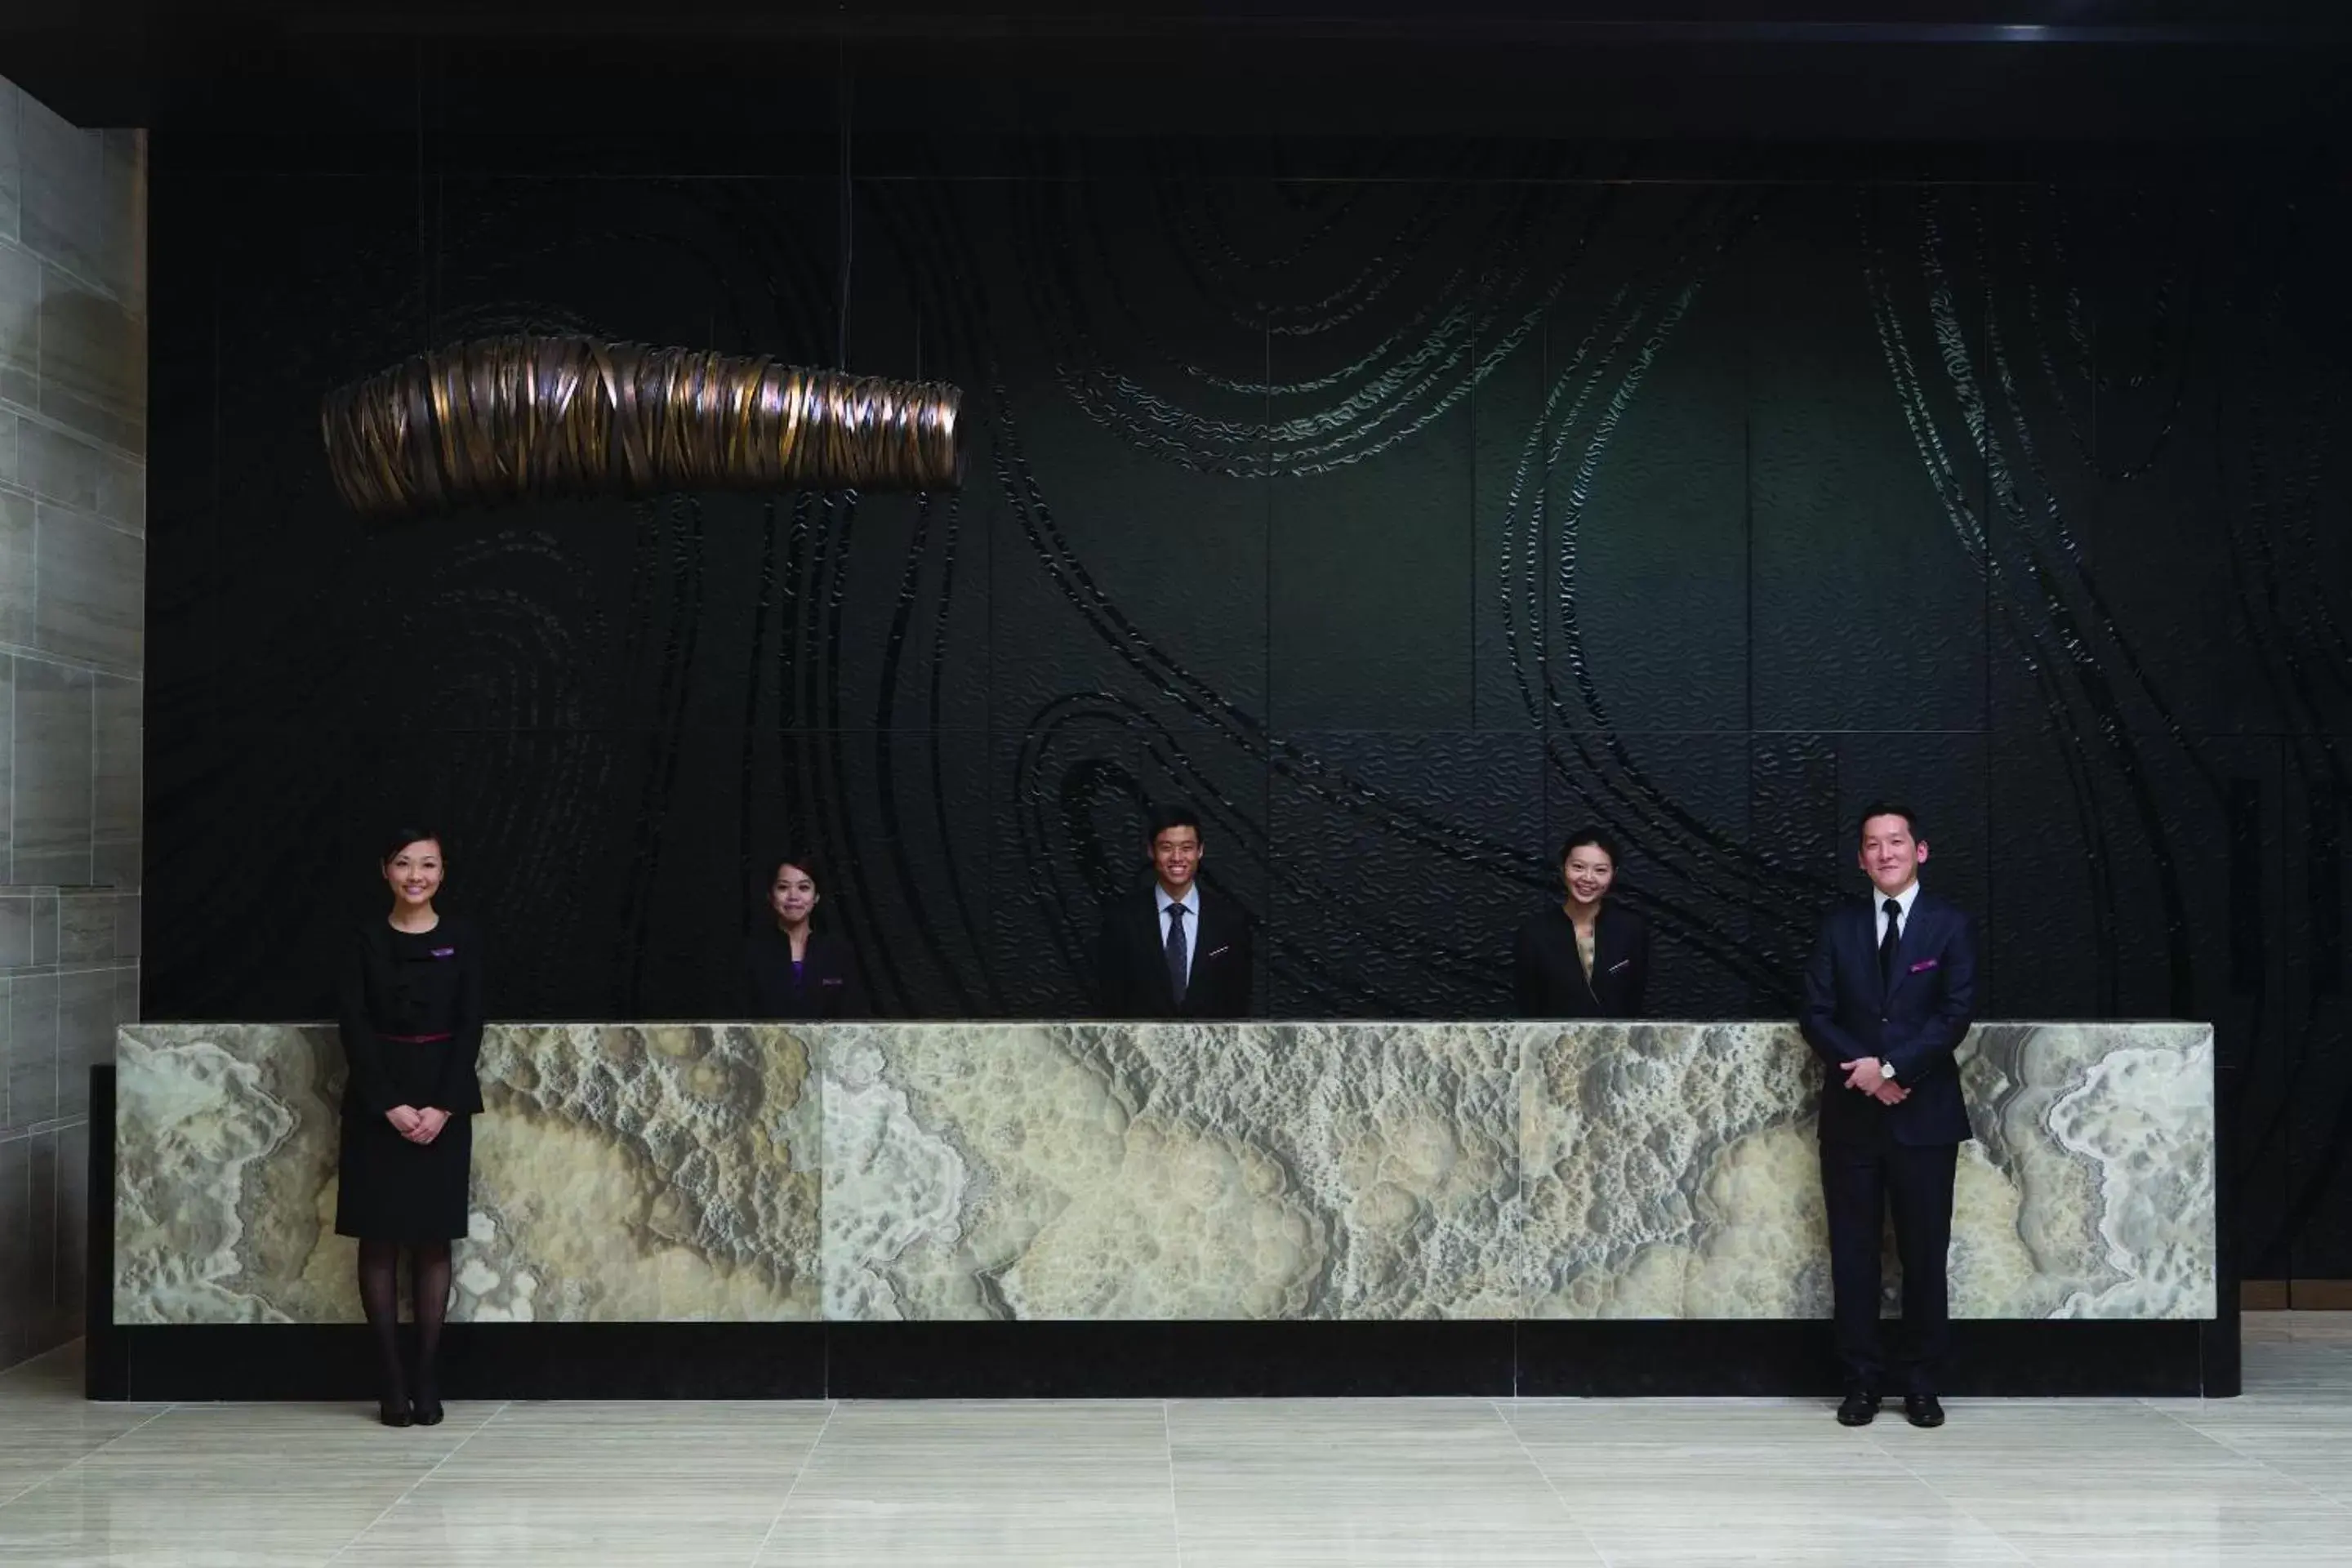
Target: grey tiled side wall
{"points": [[73, 588]]}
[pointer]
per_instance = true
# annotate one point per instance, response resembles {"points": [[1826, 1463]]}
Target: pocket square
{"points": [[1926, 964], [1220, 952], [444, 953]]}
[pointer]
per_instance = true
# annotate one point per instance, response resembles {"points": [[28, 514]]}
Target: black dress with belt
{"points": [[1551, 982], [823, 984], [411, 1011]]}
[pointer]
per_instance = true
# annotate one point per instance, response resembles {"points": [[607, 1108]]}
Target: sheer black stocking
{"points": [[380, 1296], [431, 1286]]}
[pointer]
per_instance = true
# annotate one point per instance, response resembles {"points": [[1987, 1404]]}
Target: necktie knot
{"points": [[1894, 909]]}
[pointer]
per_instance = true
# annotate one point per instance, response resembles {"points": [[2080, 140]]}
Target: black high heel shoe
{"points": [[392, 1410]]}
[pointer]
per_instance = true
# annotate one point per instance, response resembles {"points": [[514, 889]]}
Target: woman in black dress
{"points": [[791, 970], [1588, 958], [410, 998]]}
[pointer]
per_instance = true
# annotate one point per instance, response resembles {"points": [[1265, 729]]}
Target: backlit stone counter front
{"points": [[635, 1172]]}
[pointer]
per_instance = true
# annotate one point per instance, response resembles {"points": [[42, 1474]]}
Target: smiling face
{"points": [[1890, 856], [793, 895], [1588, 871], [414, 875], [1176, 855]]}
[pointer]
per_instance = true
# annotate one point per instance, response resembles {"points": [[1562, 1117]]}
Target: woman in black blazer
{"points": [[1588, 958], [791, 970], [410, 1006]]}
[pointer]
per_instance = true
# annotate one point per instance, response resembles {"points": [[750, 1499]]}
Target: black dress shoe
{"points": [[393, 1413], [1922, 1410], [1858, 1409]]}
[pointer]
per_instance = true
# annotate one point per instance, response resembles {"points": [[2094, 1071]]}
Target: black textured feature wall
{"points": [[1404, 507]]}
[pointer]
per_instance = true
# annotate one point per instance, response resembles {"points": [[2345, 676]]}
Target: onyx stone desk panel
{"points": [[1672, 1172], [632, 1173], [1357, 1172], [1190, 1170]]}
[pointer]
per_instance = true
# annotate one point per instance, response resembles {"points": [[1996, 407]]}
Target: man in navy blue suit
{"points": [[1889, 994]]}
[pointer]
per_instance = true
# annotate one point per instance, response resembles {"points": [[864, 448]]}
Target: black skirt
{"points": [[392, 1189]]}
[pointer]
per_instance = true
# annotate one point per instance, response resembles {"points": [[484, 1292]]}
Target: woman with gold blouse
{"points": [[1589, 956]]}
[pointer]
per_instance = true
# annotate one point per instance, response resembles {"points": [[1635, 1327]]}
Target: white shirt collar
{"points": [[1191, 901], [1903, 900]]}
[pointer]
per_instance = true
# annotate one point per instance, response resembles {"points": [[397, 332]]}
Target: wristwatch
{"points": [[1886, 1070]]}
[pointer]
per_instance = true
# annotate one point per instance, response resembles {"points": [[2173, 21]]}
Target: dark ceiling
{"points": [[1710, 69]]}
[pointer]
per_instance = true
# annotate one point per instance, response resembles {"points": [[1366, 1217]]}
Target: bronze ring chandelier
{"points": [[526, 418]]}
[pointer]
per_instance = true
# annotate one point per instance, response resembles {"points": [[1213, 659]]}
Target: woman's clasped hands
{"points": [[418, 1126]]}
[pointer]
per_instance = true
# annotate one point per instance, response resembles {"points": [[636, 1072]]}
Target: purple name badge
{"points": [[444, 953]]}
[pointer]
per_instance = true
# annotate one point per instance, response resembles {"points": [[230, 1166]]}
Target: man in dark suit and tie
{"points": [[1889, 993], [1178, 951]]}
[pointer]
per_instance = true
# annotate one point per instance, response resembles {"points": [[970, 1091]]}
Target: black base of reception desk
{"points": [[1132, 1360]]}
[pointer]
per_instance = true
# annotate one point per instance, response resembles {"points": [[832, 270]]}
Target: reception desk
{"points": [[1074, 1207]]}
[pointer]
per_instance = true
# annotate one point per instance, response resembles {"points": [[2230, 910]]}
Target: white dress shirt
{"points": [[1903, 900], [1192, 902]]}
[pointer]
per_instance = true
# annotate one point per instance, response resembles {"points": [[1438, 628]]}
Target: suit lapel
{"points": [[1908, 947], [1603, 953], [1210, 937], [1155, 948], [1866, 942]]}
